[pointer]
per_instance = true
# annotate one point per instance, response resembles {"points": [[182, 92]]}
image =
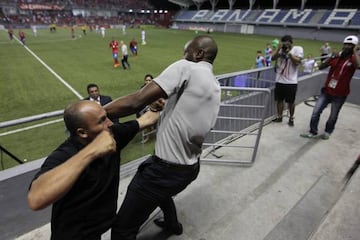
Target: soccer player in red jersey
{"points": [[114, 45]]}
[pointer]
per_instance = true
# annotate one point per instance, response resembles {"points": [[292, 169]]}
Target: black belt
{"points": [[175, 165]]}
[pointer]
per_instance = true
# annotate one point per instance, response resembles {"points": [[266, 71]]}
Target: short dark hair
{"points": [[148, 75], [287, 38], [91, 85]]}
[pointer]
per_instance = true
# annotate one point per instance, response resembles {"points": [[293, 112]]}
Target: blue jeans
{"points": [[322, 102]]}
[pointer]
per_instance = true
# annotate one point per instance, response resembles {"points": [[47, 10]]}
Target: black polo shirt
{"points": [[89, 208]]}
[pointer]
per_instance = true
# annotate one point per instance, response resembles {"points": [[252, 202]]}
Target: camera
{"points": [[286, 47]]}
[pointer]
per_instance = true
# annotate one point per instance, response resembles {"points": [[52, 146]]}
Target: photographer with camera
{"points": [[337, 86], [288, 60]]}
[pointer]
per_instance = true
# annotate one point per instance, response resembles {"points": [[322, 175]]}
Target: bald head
{"points": [[201, 48], [75, 115]]}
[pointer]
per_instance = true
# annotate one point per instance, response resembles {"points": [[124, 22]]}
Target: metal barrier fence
{"points": [[246, 95], [239, 124]]}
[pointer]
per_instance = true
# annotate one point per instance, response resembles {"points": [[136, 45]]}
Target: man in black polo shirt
{"points": [[81, 177]]}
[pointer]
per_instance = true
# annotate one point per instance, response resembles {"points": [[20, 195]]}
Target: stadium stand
{"points": [[104, 12], [335, 18]]}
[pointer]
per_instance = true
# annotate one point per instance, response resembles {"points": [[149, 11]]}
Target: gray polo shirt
{"points": [[184, 124]]}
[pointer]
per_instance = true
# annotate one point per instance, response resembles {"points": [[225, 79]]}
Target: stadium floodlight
{"points": [[160, 11], [130, 10], [147, 11], [155, 11]]}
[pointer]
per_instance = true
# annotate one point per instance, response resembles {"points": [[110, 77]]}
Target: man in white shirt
{"points": [[125, 55], [288, 60], [193, 101]]}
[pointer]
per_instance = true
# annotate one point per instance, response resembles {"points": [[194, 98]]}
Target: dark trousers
{"points": [[124, 62], [154, 185]]}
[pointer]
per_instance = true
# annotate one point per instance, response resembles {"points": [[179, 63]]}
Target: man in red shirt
{"points": [[114, 45], [337, 86]]}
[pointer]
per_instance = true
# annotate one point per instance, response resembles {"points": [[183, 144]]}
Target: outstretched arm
{"points": [[126, 105], [54, 184]]}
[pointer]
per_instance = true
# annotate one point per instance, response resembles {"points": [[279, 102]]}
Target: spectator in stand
{"points": [[22, 37], [268, 53], [133, 47], [114, 45], [260, 61], [125, 56]]}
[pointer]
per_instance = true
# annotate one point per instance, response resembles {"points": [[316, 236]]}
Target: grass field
{"points": [[29, 88]]}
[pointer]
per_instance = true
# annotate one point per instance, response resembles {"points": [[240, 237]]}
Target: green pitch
{"points": [[60, 67]]}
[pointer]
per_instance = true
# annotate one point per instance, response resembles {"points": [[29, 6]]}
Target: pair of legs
{"points": [[287, 93], [280, 109], [116, 61], [124, 62], [154, 185], [322, 102]]}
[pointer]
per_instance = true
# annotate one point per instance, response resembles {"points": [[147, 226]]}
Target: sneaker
{"points": [[325, 136], [308, 135], [278, 119], [176, 229], [291, 122]]}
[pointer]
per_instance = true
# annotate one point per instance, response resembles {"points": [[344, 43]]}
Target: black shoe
{"points": [[176, 228], [291, 122], [278, 119]]}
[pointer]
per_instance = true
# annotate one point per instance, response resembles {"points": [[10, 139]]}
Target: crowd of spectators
{"points": [[103, 4], [66, 15]]}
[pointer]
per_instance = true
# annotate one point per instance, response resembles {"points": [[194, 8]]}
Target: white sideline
{"points": [[51, 71], [58, 77]]}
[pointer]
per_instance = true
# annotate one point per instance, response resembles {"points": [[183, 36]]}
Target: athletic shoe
{"points": [[278, 119], [308, 135], [176, 229], [325, 136]]}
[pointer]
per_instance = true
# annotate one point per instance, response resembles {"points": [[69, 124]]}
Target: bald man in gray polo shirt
{"points": [[193, 100]]}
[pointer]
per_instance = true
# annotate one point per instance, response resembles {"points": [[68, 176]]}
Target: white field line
{"points": [[51, 71], [58, 77]]}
